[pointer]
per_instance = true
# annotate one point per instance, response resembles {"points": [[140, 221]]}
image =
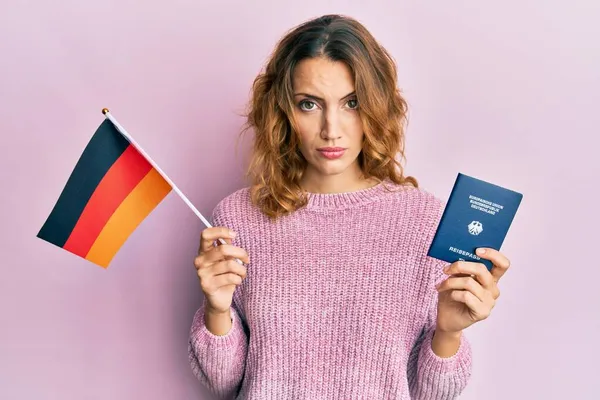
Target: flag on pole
{"points": [[114, 186], [111, 190]]}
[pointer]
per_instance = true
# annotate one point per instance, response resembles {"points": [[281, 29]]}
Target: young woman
{"points": [[336, 297]]}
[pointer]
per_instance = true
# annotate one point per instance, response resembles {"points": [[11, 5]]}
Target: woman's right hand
{"points": [[218, 271]]}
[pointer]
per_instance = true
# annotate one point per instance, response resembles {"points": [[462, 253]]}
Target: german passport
{"points": [[477, 214]]}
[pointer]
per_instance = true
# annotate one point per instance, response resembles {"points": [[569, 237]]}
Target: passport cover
{"points": [[477, 214]]}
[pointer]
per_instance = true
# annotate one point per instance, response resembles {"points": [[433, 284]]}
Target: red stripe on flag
{"points": [[122, 177]]}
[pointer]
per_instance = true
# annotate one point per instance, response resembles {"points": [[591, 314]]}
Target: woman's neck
{"points": [[331, 184]]}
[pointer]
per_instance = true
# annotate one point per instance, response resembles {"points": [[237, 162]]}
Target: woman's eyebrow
{"points": [[312, 96]]}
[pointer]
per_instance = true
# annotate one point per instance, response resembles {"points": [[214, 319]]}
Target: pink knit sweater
{"points": [[338, 303]]}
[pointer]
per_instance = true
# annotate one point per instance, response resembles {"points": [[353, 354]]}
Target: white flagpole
{"points": [[127, 136]]}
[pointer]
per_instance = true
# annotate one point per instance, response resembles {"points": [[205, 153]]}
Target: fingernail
{"points": [[232, 234], [480, 251]]}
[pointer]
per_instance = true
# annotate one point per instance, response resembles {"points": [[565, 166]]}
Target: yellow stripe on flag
{"points": [[151, 190]]}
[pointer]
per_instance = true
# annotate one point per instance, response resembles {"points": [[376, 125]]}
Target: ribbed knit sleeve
{"points": [[430, 376], [219, 361]]}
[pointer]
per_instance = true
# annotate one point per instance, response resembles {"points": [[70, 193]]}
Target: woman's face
{"points": [[329, 125]]}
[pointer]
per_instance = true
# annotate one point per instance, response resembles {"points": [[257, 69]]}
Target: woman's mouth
{"points": [[332, 153]]}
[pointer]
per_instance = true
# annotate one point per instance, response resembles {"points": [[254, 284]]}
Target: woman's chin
{"points": [[332, 168]]}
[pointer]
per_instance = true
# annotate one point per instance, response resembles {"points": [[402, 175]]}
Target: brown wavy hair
{"points": [[277, 165]]}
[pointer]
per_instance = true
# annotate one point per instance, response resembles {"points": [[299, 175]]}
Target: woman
{"points": [[336, 298]]}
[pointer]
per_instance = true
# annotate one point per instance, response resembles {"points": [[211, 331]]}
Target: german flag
{"points": [[111, 190]]}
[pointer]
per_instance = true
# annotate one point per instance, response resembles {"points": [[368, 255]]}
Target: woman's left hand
{"points": [[469, 294]]}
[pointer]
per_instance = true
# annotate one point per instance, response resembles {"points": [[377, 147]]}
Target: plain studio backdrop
{"points": [[504, 91]]}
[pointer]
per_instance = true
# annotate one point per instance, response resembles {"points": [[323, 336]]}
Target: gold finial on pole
{"points": [[104, 111]]}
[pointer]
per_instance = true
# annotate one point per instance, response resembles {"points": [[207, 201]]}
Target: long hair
{"points": [[277, 165]]}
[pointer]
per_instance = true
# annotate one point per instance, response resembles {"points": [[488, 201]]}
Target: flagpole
{"points": [[127, 136]]}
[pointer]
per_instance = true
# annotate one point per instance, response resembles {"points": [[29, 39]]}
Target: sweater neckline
{"points": [[347, 199]]}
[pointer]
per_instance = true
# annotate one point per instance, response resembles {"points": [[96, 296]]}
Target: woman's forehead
{"points": [[323, 78]]}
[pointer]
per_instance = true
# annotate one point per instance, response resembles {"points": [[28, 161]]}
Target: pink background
{"points": [[507, 92]]}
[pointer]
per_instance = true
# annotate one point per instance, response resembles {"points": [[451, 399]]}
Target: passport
{"points": [[477, 214]]}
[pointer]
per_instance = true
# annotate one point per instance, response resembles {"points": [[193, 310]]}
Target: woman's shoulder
{"points": [[425, 214], [417, 208], [420, 201], [234, 205], [429, 202]]}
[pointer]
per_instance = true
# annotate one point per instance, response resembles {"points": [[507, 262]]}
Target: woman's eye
{"points": [[307, 105], [353, 103]]}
